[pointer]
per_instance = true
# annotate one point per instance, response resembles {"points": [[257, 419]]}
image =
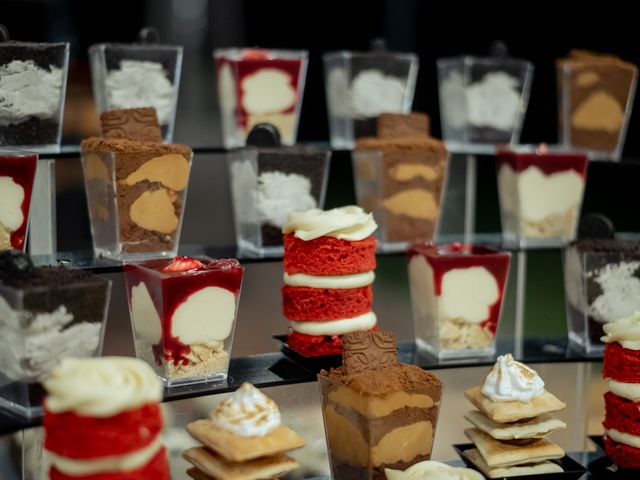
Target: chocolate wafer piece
{"points": [[132, 124]]}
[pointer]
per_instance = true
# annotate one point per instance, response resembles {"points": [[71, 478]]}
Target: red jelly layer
{"points": [[328, 256], [621, 414], [22, 169], [316, 345], [82, 437], [156, 469], [623, 455], [319, 304], [621, 364], [169, 289], [547, 162]]}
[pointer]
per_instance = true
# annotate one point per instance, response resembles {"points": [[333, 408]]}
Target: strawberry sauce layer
{"points": [[316, 345], [156, 469], [321, 304], [171, 282], [547, 162], [623, 455], [21, 168], [621, 364], [328, 256], [621, 414], [80, 437]]}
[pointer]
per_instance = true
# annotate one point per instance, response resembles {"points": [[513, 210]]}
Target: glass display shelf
{"points": [[276, 369]]}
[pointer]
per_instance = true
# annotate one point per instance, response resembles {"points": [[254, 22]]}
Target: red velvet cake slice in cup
{"points": [[183, 312], [329, 262]]}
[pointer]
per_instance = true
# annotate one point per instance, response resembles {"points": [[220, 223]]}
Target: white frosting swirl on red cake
{"points": [[625, 331], [350, 223]]}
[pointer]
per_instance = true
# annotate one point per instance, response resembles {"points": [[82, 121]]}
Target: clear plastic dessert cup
{"points": [[183, 313], [17, 172], [33, 83], [257, 85], [362, 85], [457, 292]]}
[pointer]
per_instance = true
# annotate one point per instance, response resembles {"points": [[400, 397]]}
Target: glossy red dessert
{"points": [[171, 283], [17, 172], [621, 414], [156, 469], [621, 364], [319, 304], [623, 455], [547, 162], [328, 256]]}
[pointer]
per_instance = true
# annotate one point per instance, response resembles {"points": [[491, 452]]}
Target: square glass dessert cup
{"points": [[595, 102], [405, 205], [268, 184], [183, 314], [33, 84], [602, 285], [258, 85], [366, 434], [362, 85], [137, 75], [457, 292], [40, 326], [483, 101], [17, 172], [540, 196], [132, 220]]}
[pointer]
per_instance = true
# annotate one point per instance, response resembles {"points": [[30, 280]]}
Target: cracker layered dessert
{"points": [[258, 85], [183, 313], [378, 413], [602, 285], [46, 314], [512, 421], [621, 370], [456, 295], [17, 171], [540, 195], [244, 439], [596, 96], [136, 186], [329, 259], [103, 421], [400, 177], [432, 470]]}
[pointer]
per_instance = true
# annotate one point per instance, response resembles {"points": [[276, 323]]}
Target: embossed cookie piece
{"points": [[367, 350], [394, 125], [132, 124]]}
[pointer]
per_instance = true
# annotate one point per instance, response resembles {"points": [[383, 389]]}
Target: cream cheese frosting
{"points": [[431, 470], [511, 380], [247, 412], [630, 391], [341, 326], [622, 437], [350, 223], [625, 331], [101, 387], [355, 280]]}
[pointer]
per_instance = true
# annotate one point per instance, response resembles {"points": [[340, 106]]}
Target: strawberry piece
{"points": [[183, 264], [255, 54]]}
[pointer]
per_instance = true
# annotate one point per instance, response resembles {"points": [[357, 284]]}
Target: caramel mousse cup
{"points": [[540, 196], [136, 192], [369, 427], [457, 292]]}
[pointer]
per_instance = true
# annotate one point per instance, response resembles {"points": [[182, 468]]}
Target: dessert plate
{"points": [[314, 364], [604, 467], [572, 469]]}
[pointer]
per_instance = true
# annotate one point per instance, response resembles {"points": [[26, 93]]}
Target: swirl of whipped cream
{"points": [[511, 380], [346, 223], [101, 387], [625, 331], [247, 412], [431, 470]]}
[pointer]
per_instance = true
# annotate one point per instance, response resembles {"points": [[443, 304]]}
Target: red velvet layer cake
{"points": [[329, 258], [103, 421], [622, 402]]}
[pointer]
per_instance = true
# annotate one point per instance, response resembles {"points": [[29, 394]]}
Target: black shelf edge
{"points": [[276, 369]]}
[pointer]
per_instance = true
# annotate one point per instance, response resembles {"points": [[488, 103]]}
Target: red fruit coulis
{"points": [[21, 168], [549, 163]]}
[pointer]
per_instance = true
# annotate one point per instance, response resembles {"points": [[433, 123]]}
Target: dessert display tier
{"points": [[276, 369]]}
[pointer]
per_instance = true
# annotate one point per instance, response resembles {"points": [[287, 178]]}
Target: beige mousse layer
{"points": [[377, 407]]}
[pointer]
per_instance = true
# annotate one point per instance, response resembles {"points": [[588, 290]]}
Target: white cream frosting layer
{"points": [[534, 196], [101, 387], [431, 470], [511, 380], [355, 280], [336, 327], [621, 437], [625, 331], [116, 463], [247, 412], [630, 391], [346, 223]]}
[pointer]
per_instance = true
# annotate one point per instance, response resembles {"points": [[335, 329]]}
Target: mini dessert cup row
{"points": [[183, 314]]}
